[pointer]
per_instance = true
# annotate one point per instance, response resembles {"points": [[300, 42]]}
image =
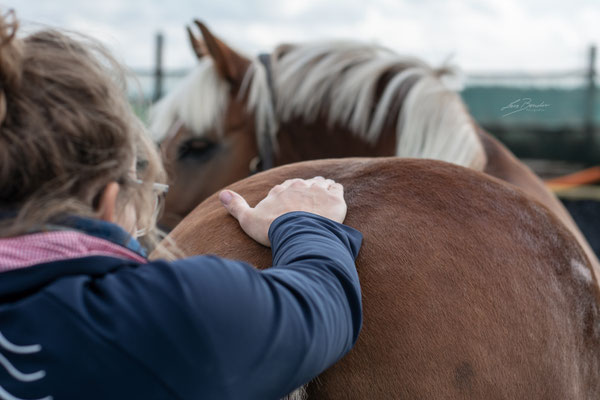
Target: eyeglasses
{"points": [[160, 190]]}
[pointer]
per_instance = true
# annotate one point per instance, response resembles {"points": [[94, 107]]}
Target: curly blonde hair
{"points": [[66, 131]]}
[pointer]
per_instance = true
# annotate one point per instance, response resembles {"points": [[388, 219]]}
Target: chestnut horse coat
{"points": [[471, 289]]}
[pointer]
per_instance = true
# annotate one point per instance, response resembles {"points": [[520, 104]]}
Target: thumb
{"points": [[234, 203]]}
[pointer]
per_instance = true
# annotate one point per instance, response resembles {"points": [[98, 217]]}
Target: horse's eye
{"points": [[197, 148]]}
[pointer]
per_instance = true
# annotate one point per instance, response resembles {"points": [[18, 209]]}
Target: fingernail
{"points": [[225, 197]]}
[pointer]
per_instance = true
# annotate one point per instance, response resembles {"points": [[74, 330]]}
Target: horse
{"points": [[234, 115], [471, 288]]}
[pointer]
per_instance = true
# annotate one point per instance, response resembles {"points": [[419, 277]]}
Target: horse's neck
{"points": [[299, 141], [502, 164]]}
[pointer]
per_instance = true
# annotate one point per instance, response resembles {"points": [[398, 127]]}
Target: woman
{"points": [[83, 313]]}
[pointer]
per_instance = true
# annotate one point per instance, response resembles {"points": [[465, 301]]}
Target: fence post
{"points": [[158, 68], [590, 102]]}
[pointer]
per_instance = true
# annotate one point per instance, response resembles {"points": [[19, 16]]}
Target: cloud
{"points": [[481, 34]]}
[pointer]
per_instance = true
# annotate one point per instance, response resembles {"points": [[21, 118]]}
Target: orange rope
{"points": [[585, 177]]}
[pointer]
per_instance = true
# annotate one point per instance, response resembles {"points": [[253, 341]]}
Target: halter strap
{"points": [[265, 144]]}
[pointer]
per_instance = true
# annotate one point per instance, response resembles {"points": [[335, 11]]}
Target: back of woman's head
{"points": [[66, 130]]}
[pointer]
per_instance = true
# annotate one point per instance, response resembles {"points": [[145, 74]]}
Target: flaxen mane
{"points": [[339, 80]]}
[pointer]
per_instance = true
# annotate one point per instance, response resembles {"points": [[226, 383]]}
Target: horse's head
{"points": [[206, 136], [234, 115]]}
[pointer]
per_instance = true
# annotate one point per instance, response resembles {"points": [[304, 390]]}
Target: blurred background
{"points": [[528, 66]]}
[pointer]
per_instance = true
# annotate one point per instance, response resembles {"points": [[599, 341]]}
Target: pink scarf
{"points": [[37, 248]]}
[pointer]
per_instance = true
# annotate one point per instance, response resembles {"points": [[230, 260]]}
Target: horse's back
{"points": [[470, 288]]}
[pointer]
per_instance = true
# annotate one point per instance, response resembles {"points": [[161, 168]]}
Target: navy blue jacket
{"points": [[198, 328]]}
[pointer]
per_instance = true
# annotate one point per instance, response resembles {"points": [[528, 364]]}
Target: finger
{"points": [[321, 182], [316, 179], [319, 179], [299, 184], [276, 189], [336, 188], [289, 182], [234, 203]]}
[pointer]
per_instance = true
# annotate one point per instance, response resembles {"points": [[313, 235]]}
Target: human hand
{"points": [[318, 195]]}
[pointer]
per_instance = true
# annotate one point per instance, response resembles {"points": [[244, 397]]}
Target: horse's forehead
{"points": [[175, 131], [199, 101]]}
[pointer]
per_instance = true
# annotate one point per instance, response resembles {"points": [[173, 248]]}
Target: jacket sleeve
{"points": [[222, 329]]}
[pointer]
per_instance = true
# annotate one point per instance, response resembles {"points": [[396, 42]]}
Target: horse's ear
{"points": [[282, 50], [230, 65], [197, 43]]}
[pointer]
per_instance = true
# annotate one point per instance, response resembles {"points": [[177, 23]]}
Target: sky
{"points": [[476, 35]]}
